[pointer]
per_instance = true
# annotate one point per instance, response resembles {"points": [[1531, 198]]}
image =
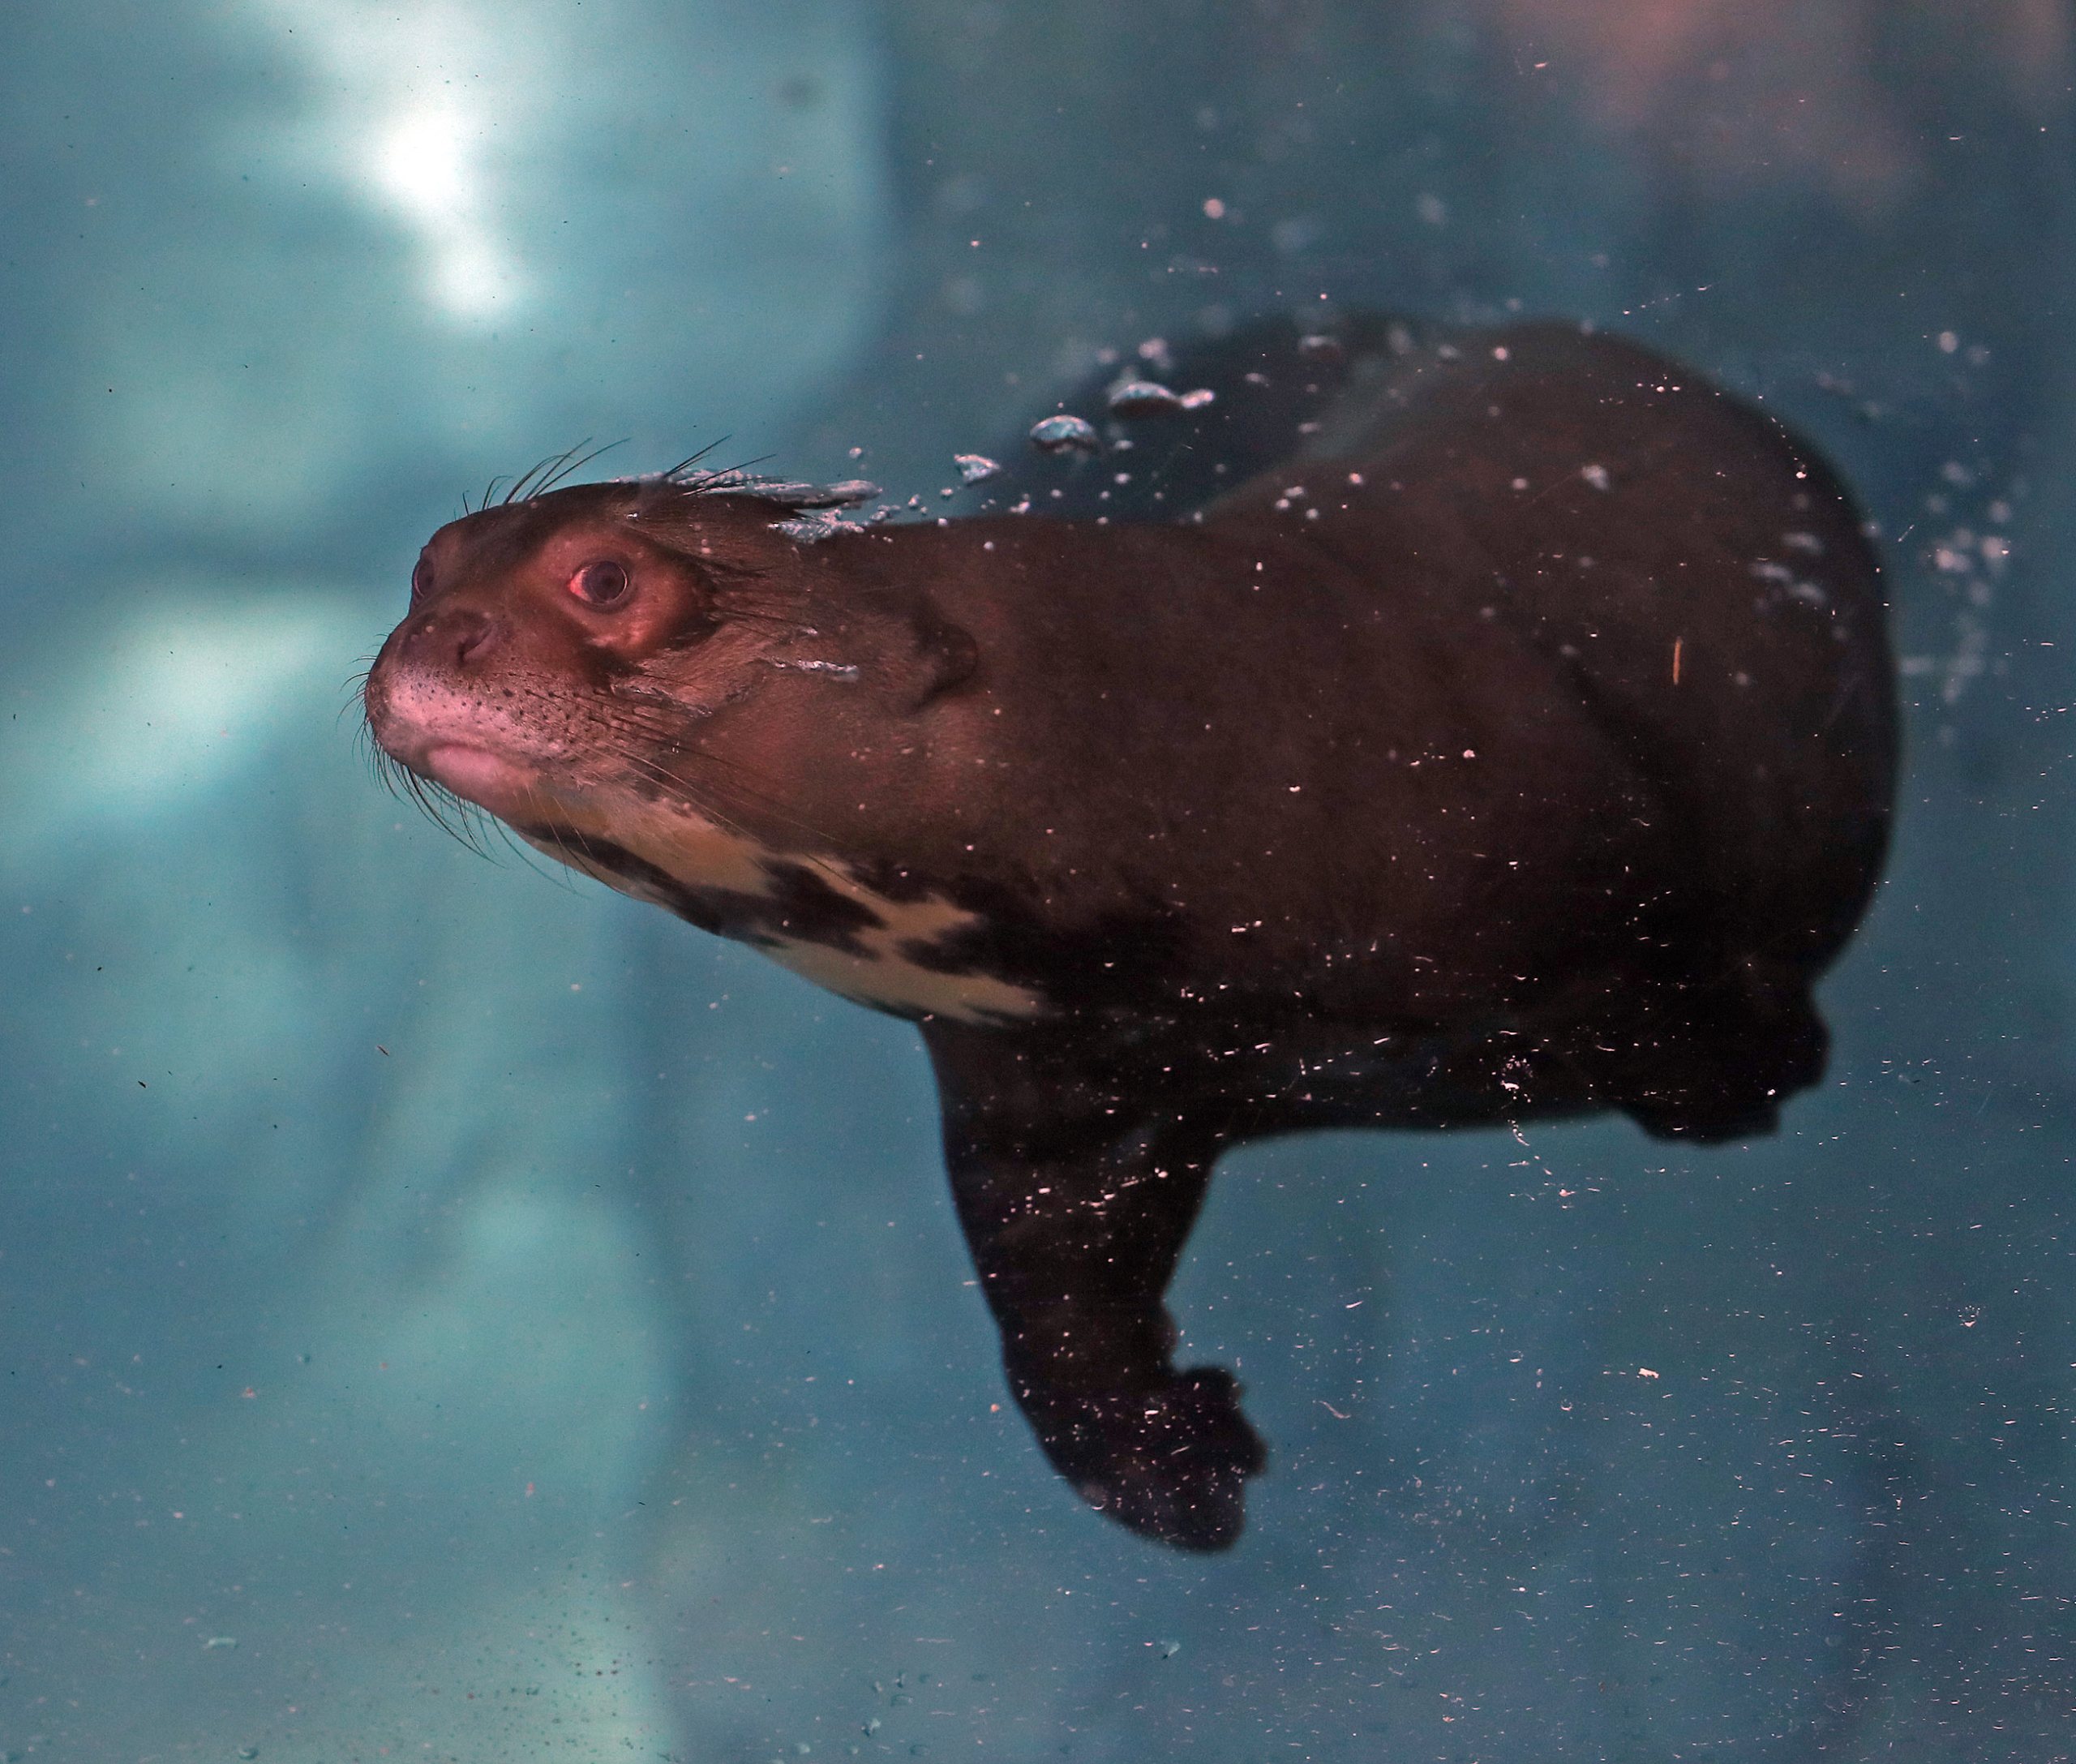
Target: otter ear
{"points": [[943, 657]]}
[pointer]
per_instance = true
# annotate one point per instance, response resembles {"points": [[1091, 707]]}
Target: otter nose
{"points": [[456, 636]]}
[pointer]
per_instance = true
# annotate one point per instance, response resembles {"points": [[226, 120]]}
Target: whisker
{"points": [[718, 800], [563, 471], [528, 483], [723, 478], [677, 471], [355, 686], [578, 855], [460, 819], [531, 857], [685, 478], [455, 816]]}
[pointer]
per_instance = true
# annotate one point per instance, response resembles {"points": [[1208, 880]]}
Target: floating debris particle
{"points": [[973, 467]]}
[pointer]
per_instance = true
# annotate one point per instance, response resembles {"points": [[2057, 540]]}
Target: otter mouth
{"points": [[507, 789], [427, 731]]}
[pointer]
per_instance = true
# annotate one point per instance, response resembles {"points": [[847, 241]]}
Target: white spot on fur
{"points": [[885, 978], [700, 854]]}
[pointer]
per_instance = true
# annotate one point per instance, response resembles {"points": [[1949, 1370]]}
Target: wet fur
{"points": [[1520, 744]]}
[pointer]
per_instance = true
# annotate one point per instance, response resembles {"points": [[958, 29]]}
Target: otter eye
{"points": [[602, 584], [421, 580]]}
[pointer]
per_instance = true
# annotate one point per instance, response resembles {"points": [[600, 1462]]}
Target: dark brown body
{"points": [[1522, 746]]}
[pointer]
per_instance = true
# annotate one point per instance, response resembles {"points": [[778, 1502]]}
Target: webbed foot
{"points": [[1168, 1460]]}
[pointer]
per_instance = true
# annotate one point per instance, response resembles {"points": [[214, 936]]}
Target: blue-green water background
{"points": [[446, 1314]]}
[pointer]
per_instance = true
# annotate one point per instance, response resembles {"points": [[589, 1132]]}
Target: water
{"points": [[526, 1328]]}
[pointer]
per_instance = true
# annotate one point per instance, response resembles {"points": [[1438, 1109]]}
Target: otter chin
{"points": [[1493, 726], [477, 775]]}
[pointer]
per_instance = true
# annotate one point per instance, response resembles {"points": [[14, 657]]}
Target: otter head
{"points": [[573, 645], [686, 688]]}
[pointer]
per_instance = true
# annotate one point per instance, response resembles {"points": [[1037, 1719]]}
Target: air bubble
{"points": [[1137, 398], [1065, 434]]}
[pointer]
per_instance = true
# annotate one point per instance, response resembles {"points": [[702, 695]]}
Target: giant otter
{"points": [[1519, 745]]}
